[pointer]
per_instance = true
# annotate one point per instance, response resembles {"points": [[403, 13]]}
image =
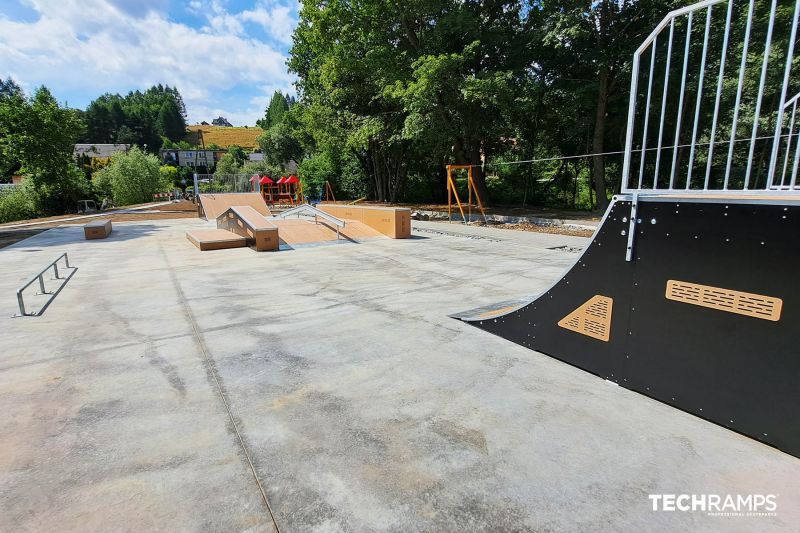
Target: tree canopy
{"points": [[278, 106], [37, 136], [408, 88], [141, 118]]}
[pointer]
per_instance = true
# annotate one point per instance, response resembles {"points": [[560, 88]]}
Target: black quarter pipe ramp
{"points": [[704, 316]]}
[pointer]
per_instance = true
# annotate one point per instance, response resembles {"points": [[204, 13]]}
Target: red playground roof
{"points": [[266, 180]]}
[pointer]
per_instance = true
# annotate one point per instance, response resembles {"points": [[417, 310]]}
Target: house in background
{"points": [[98, 151], [290, 166], [204, 160]]}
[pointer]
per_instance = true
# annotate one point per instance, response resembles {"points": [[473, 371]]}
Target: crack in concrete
{"points": [[212, 369]]}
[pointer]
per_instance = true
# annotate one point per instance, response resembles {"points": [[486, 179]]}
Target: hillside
{"points": [[223, 136]]}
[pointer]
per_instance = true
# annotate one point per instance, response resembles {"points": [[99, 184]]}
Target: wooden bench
{"points": [[97, 229]]}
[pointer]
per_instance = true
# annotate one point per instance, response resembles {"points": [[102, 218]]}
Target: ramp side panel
{"points": [[213, 205], [738, 371], [394, 222], [246, 222], [601, 270]]}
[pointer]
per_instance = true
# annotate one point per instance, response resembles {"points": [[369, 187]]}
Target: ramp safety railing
{"points": [[40, 278], [708, 111]]}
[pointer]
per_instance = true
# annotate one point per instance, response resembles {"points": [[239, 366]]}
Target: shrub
{"points": [[315, 171], [16, 204], [132, 178]]}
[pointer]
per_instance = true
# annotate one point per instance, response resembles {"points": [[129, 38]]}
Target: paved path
{"points": [[165, 388]]}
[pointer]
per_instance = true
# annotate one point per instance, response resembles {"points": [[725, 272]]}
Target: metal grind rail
{"points": [[308, 209], [42, 288]]}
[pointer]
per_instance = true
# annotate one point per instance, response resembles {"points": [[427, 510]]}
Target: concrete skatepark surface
{"points": [[162, 378]]}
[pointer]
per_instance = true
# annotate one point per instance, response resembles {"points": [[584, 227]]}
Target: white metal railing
{"points": [[788, 177], [709, 122], [225, 183]]}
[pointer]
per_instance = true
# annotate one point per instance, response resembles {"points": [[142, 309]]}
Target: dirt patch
{"points": [[541, 212], [9, 237], [527, 226]]}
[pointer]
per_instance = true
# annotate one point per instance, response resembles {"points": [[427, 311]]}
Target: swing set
{"points": [[452, 192]]}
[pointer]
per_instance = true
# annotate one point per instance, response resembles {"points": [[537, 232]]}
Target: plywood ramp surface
{"points": [[299, 231], [215, 239], [394, 222], [213, 205], [246, 222]]}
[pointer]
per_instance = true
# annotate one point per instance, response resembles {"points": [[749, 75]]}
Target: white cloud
{"points": [[94, 46], [277, 20]]}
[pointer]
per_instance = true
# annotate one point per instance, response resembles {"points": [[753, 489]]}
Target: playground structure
{"points": [[329, 196], [452, 193], [686, 293], [243, 219], [286, 191]]}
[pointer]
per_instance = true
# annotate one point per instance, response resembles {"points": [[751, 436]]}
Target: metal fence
{"points": [[709, 110], [222, 183]]}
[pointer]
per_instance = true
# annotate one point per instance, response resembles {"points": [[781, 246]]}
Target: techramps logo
{"points": [[734, 505]]}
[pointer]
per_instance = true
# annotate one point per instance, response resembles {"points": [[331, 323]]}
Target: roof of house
{"points": [[100, 150]]}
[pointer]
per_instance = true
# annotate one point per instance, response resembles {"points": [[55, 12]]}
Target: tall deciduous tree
{"points": [[586, 51], [40, 134]]}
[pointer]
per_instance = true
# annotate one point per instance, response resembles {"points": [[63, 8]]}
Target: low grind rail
{"points": [[40, 278]]}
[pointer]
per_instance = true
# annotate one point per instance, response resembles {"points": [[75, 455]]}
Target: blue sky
{"points": [[225, 56]]}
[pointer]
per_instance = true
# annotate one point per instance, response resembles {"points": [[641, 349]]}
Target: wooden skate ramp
{"points": [[215, 239], [246, 222], [213, 205], [394, 222], [299, 231]]}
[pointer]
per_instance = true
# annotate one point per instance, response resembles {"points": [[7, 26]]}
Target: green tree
{"points": [[278, 106], [316, 170], [132, 177], [137, 118], [587, 53], [126, 135], [227, 164], [8, 164], [238, 154], [40, 134], [280, 145], [170, 122], [423, 77]]}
